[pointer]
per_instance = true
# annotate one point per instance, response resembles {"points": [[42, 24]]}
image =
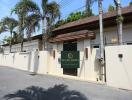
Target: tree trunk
{"points": [[22, 45], [44, 28], [11, 41], [22, 33], [22, 40], [43, 31], [103, 78], [119, 24]]}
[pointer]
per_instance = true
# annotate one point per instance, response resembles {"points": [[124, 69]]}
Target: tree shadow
{"points": [[58, 92]]}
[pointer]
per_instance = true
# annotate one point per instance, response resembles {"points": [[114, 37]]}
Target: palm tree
{"points": [[32, 23], [50, 11], [53, 13], [89, 4], [9, 24], [119, 20], [2, 28], [6, 40], [23, 9]]}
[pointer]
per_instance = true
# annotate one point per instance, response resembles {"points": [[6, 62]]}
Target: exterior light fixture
{"points": [[54, 54], [86, 53], [114, 40]]}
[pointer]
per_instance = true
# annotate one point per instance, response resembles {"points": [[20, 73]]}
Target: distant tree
{"points": [[78, 15], [74, 16], [2, 27], [9, 24], [111, 8], [88, 11], [29, 15], [16, 38], [7, 40], [130, 3], [59, 23]]}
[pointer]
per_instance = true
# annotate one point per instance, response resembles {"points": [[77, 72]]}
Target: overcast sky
{"points": [[67, 6]]}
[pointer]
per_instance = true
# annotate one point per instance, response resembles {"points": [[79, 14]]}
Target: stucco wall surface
{"points": [[29, 61], [119, 69]]}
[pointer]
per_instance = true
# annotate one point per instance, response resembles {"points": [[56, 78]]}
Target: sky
{"points": [[66, 7]]}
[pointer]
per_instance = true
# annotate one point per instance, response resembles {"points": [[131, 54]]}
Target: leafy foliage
{"points": [[2, 28], [25, 6], [23, 9], [29, 15], [32, 23], [73, 17], [111, 8], [15, 39], [89, 4], [130, 3], [51, 11], [9, 24], [119, 19], [7, 40], [78, 15]]}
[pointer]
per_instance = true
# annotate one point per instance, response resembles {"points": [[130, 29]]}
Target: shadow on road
{"points": [[58, 92]]}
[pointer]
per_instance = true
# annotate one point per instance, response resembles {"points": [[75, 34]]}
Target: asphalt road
{"points": [[20, 85]]}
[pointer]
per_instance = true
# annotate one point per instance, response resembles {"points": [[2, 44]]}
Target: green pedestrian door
{"points": [[70, 58]]}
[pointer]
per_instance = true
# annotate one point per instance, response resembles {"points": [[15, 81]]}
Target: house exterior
{"points": [[91, 24], [69, 38], [75, 50]]}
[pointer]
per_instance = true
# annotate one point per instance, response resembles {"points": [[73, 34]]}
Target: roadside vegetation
{"points": [[29, 18], [30, 15], [78, 15], [111, 8]]}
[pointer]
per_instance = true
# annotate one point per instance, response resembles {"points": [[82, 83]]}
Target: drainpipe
{"points": [[102, 60]]}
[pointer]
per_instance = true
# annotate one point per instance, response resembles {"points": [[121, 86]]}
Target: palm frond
{"points": [[3, 28], [53, 9], [44, 6], [25, 6], [10, 23], [32, 23]]}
